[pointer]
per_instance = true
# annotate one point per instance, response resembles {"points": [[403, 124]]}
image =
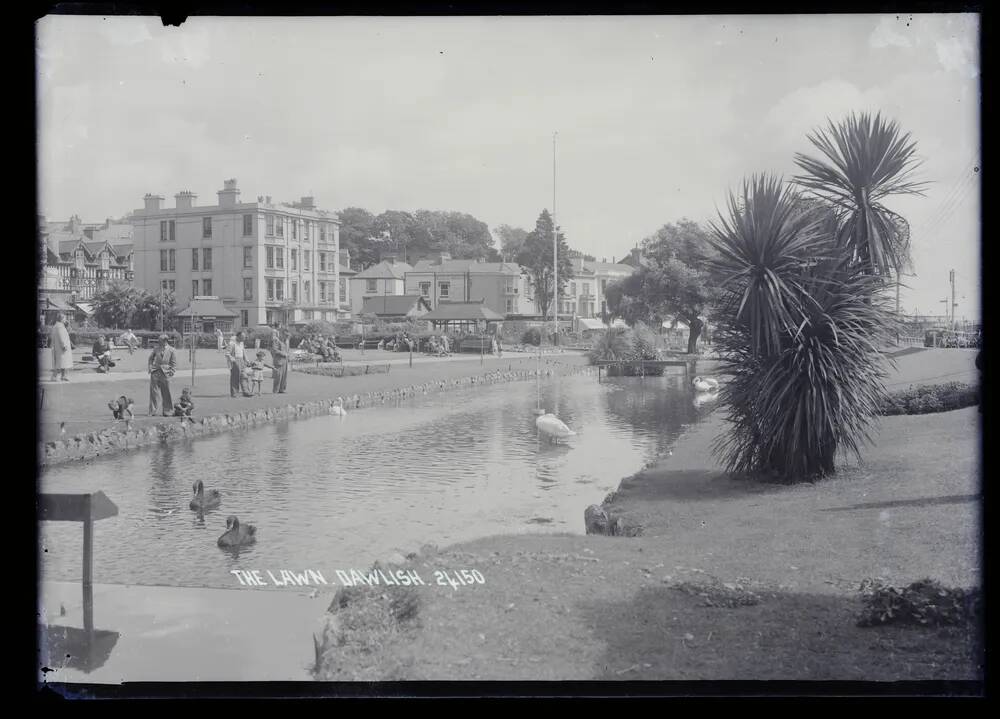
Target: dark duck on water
{"points": [[203, 500], [237, 535]]}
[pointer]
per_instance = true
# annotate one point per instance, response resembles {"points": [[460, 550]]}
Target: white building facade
{"points": [[268, 262]]}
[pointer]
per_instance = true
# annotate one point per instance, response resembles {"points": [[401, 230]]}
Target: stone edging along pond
{"points": [[116, 439]]}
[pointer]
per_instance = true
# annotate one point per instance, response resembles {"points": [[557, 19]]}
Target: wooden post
{"points": [[88, 576]]}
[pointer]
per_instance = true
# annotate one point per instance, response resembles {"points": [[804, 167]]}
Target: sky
{"points": [[651, 118]]}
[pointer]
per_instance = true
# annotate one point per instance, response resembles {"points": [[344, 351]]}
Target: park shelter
{"points": [[395, 307], [472, 316], [206, 314]]}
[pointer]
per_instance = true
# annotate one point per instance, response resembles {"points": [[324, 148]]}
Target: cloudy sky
{"points": [[657, 117]]}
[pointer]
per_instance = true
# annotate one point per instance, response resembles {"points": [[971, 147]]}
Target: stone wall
{"points": [[117, 439]]}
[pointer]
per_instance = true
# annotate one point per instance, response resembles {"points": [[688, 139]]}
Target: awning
{"points": [[85, 307], [206, 308], [587, 323]]}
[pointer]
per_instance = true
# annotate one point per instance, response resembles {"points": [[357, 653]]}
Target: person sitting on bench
{"points": [[102, 353]]}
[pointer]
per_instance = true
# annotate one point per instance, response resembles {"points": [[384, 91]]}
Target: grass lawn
{"points": [[562, 607]]}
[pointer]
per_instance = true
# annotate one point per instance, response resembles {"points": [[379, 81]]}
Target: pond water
{"points": [[331, 493]]}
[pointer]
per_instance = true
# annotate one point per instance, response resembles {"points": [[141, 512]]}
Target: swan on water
{"points": [[338, 408], [705, 384], [553, 427], [204, 500], [237, 534]]}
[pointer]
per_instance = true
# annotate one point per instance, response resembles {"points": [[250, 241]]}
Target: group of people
{"points": [[439, 346], [402, 342], [246, 378], [323, 346]]}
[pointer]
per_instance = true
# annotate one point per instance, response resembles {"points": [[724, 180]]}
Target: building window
{"points": [[510, 305], [322, 233], [247, 225], [163, 260], [572, 288], [173, 260], [269, 257], [248, 256], [206, 287], [194, 288], [168, 285], [444, 289], [279, 257], [295, 259], [586, 289], [281, 227], [295, 292], [167, 231], [343, 290], [604, 287], [370, 285], [295, 229], [322, 262], [308, 260], [206, 226], [245, 317], [194, 259], [270, 289], [322, 292], [206, 258], [248, 289], [270, 225], [425, 289], [279, 290], [307, 293], [509, 285]]}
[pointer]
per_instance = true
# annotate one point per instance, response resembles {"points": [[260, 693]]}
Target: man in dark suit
{"points": [[279, 353], [162, 363]]}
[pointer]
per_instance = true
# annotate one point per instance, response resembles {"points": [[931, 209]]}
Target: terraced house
{"points": [[268, 262]]}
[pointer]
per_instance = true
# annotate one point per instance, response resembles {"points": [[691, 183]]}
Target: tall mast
{"points": [[555, 248]]}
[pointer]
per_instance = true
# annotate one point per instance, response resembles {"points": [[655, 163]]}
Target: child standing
{"points": [[257, 373]]}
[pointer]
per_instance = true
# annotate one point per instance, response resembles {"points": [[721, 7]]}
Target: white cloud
{"points": [[955, 55]]}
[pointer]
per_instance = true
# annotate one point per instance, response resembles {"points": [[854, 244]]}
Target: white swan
{"points": [[337, 409], [705, 384], [703, 398], [553, 427]]}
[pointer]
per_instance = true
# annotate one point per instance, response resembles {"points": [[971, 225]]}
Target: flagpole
{"points": [[555, 248]]}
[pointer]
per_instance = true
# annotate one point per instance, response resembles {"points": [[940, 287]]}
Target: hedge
{"points": [[925, 399], [342, 371]]}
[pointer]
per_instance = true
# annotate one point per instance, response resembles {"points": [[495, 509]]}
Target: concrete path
{"points": [[182, 634]]}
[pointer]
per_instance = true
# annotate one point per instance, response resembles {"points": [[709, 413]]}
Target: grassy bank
{"points": [[729, 580]]}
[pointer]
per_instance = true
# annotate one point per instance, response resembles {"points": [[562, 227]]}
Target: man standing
{"points": [[279, 354], [162, 363], [236, 357], [62, 349]]}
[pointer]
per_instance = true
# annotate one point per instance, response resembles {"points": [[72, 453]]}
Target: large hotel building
{"points": [[267, 262]]}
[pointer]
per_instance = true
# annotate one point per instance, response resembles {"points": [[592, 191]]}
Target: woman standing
{"points": [[62, 349]]}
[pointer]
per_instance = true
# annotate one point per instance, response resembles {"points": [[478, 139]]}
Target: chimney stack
{"points": [[74, 224], [443, 257], [308, 203], [185, 200], [229, 195], [153, 202]]}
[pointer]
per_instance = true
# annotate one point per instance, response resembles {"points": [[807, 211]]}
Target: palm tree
{"points": [[799, 324], [866, 160]]}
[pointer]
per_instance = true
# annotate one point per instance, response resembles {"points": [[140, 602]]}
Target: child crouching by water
{"points": [[185, 405], [121, 408]]}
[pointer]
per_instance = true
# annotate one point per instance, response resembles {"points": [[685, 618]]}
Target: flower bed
{"points": [[342, 371], [924, 399]]}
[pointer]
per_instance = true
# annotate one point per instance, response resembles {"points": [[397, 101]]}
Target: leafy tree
{"points": [[459, 234], [511, 240], [356, 232], [147, 312], [536, 257], [865, 161], [674, 280], [115, 306]]}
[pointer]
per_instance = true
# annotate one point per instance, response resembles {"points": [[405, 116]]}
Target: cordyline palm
{"points": [[799, 324], [866, 159]]}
